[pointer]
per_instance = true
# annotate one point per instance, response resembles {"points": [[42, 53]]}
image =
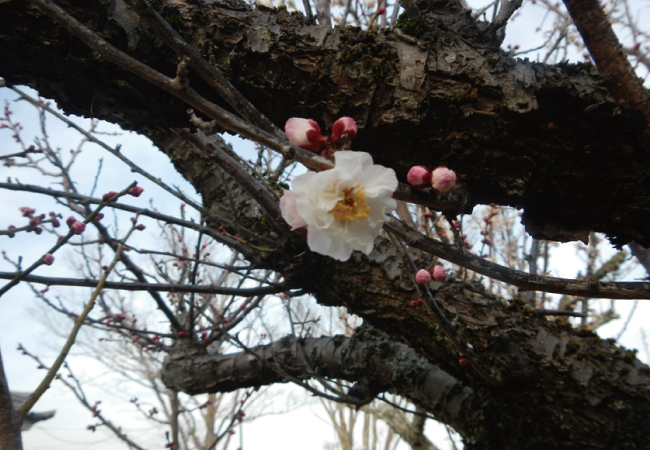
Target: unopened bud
{"points": [[438, 273], [418, 177], [443, 180], [27, 212], [345, 126], [422, 276], [47, 259], [305, 133], [135, 191], [109, 195], [77, 227]]}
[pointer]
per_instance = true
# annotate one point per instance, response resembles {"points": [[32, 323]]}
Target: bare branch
{"points": [[624, 290], [152, 287]]}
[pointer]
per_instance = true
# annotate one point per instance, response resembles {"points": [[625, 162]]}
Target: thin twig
{"points": [[623, 290], [210, 74], [60, 243], [175, 87], [157, 287], [445, 325], [51, 373]]}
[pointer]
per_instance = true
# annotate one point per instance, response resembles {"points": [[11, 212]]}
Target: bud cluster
{"points": [[306, 134], [441, 179]]}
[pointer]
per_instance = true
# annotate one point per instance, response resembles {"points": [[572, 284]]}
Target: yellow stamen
{"points": [[352, 207]]}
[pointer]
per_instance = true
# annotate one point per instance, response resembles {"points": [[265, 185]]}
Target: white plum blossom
{"points": [[290, 211], [343, 208]]}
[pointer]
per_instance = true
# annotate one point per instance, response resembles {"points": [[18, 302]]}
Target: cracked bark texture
{"points": [[435, 91], [546, 138]]}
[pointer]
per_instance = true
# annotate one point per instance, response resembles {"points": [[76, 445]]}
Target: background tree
{"points": [[564, 142]]}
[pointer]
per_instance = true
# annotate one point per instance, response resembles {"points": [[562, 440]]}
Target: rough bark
{"points": [[376, 362], [547, 138], [10, 419], [432, 91]]}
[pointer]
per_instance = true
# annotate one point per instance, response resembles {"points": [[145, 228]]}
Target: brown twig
{"points": [[454, 336], [210, 74], [51, 373], [623, 290], [605, 48], [60, 243], [179, 89], [137, 286]]}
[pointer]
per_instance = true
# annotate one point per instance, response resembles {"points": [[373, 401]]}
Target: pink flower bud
{"points": [[98, 217], [77, 227], [135, 191], [47, 259], [139, 227], [422, 277], [305, 133], [342, 127], [27, 212], [106, 197], [462, 362], [438, 273], [381, 11], [418, 177], [443, 180]]}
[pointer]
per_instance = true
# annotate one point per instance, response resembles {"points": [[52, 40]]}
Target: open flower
{"points": [[343, 208]]}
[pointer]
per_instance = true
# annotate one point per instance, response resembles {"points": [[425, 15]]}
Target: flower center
{"points": [[352, 207]]}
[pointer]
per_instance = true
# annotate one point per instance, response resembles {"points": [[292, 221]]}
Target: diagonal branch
{"points": [[599, 37], [210, 74], [624, 290], [178, 88]]}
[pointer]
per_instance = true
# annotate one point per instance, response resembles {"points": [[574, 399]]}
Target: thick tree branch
{"points": [[386, 365], [597, 33]]}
